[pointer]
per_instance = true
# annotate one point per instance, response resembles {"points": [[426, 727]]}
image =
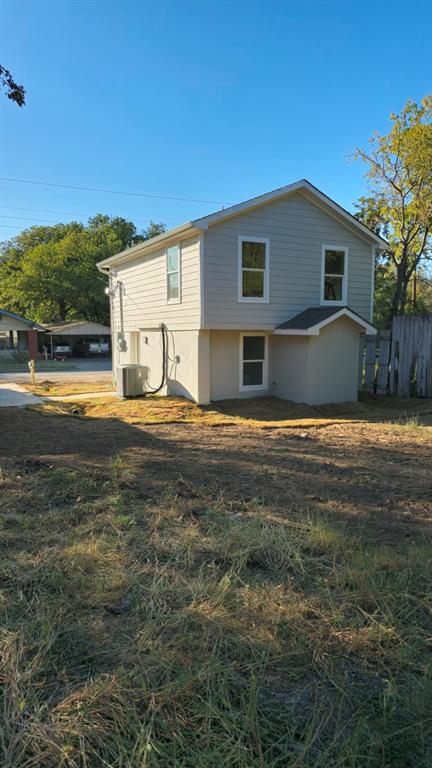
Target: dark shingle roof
{"points": [[312, 316]]}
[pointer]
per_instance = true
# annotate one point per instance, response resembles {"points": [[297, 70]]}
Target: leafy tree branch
{"points": [[14, 92]]}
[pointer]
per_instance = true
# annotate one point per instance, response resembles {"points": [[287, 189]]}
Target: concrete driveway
{"points": [[14, 396]]}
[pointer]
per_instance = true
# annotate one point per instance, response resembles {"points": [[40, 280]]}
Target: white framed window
{"points": [[334, 274], [173, 274], [253, 361], [253, 269]]}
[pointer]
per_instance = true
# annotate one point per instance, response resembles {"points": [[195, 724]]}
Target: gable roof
{"points": [[195, 225], [311, 320], [298, 186], [13, 316]]}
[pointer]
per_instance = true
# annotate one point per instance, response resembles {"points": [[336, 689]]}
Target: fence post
{"points": [[369, 379], [382, 380]]}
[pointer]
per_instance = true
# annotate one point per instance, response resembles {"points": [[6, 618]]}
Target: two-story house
{"points": [[269, 296]]}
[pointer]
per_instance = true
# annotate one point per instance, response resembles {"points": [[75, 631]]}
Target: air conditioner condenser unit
{"points": [[131, 380]]}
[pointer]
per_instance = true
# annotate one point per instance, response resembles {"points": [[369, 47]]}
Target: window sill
{"points": [[247, 300], [328, 303], [254, 388]]}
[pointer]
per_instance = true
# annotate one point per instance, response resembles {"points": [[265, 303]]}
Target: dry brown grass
{"points": [[205, 594], [54, 388], [264, 412]]}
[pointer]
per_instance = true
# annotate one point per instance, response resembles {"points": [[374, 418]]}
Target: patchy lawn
{"points": [[12, 366], [73, 387], [247, 585], [265, 412]]}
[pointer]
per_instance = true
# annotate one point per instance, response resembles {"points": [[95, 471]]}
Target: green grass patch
{"points": [[178, 629], [410, 420], [12, 366]]}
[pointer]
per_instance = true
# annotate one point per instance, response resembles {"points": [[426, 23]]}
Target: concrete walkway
{"points": [[14, 396]]}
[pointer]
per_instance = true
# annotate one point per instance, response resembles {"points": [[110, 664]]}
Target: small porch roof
{"points": [[311, 320]]}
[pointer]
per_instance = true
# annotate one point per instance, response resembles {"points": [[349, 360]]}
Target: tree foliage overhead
{"points": [[49, 273], [399, 206], [14, 92]]}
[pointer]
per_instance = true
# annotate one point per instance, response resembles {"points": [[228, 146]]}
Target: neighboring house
{"points": [[18, 334], [266, 297]]}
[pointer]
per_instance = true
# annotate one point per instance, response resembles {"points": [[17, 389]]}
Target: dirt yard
{"points": [[370, 460], [242, 585]]}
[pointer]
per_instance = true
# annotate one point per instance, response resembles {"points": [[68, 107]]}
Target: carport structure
{"points": [[78, 334]]}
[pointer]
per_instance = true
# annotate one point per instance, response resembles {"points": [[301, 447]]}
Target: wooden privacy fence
{"points": [[399, 361]]}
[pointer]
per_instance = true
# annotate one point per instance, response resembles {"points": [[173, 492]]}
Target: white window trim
{"points": [[343, 301], [178, 300], [253, 299], [253, 387]]}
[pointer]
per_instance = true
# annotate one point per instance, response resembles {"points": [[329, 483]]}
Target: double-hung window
{"points": [[253, 269], [253, 361], [173, 274], [334, 269]]}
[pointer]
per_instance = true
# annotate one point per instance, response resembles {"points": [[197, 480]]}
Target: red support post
{"points": [[32, 344]]}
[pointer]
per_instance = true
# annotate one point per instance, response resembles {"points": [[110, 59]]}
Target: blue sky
{"points": [[216, 101]]}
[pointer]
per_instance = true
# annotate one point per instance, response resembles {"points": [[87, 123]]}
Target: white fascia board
{"points": [[247, 205], [298, 186], [354, 223], [315, 329], [297, 331]]}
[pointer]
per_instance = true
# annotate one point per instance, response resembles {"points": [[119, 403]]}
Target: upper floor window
{"points": [[253, 269], [334, 267], [173, 273]]}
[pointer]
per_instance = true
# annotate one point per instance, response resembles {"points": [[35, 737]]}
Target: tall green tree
{"points": [[49, 273], [399, 206]]}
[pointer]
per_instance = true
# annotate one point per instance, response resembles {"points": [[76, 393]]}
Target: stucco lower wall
{"points": [[225, 366], [205, 365], [333, 363], [290, 368], [186, 362], [305, 369], [318, 369]]}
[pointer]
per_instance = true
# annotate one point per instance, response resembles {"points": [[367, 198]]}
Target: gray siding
{"points": [[297, 229], [144, 292]]}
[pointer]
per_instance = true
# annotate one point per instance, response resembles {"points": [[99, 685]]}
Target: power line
{"points": [[41, 210], [10, 226], [26, 218], [114, 191], [45, 221], [69, 213]]}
